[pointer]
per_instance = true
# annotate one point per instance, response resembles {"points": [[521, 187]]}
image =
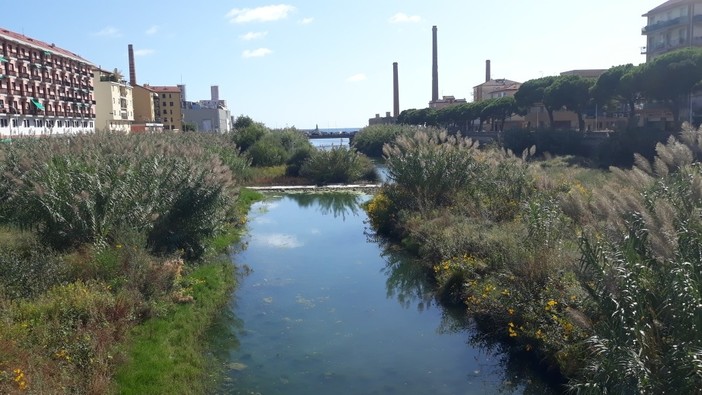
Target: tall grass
{"points": [[83, 189], [644, 280], [338, 165], [106, 222], [596, 274]]}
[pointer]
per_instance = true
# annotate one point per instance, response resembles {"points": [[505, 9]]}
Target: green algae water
{"points": [[323, 308]]}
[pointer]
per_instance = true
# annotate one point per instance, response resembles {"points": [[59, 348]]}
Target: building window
{"points": [[91, 124], [3, 122], [171, 104], [59, 123], [40, 123], [25, 123], [14, 123]]}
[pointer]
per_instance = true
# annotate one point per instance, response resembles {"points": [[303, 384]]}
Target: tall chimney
{"points": [[132, 68], [395, 91], [487, 70], [214, 92], [435, 68]]}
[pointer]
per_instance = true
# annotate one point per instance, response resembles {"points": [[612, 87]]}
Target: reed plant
{"points": [[642, 274], [82, 189], [338, 165]]}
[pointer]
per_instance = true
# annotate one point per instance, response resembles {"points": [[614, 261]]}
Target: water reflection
{"points": [[339, 204], [407, 280], [324, 317]]}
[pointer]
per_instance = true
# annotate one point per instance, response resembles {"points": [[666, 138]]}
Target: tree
{"points": [[467, 113], [243, 122], [500, 109], [670, 78], [619, 83], [532, 92], [449, 117], [189, 127], [117, 75], [571, 92]]}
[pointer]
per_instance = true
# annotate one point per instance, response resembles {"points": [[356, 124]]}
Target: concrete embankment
{"points": [[364, 188]]}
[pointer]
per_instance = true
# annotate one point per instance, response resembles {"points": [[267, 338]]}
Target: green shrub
{"points": [[82, 189], [338, 165], [370, 140], [26, 274], [297, 159], [430, 168], [249, 135], [268, 151]]}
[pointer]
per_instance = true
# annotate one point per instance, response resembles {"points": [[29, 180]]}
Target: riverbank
{"points": [[167, 354]]}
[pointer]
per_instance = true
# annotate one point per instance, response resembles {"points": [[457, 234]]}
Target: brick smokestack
{"points": [[487, 71], [434, 68], [395, 91], [132, 68]]}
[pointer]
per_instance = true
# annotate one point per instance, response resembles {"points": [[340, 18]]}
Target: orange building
{"points": [[167, 107]]}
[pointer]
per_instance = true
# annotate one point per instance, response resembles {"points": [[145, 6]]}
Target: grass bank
{"points": [[166, 355]]}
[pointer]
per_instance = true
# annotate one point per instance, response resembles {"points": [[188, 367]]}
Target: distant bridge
{"points": [[313, 134]]}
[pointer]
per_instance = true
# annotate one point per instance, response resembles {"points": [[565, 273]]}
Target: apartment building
{"points": [[672, 25], [114, 108], [44, 89], [168, 107]]}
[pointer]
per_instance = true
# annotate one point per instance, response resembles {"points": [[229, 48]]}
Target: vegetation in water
{"points": [[595, 275]]}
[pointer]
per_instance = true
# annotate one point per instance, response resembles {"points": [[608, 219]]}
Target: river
{"points": [[324, 308]]}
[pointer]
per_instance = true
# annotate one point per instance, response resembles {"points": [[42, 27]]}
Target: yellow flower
{"points": [[510, 329], [550, 304], [510, 311]]}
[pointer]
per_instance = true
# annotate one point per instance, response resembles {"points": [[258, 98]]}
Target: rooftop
{"points": [[163, 89], [41, 45], [498, 82], [670, 4]]}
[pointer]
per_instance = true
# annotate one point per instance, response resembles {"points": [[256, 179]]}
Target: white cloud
{"points": [[278, 240], [152, 30], [306, 21], [143, 52], [109, 31], [253, 36], [401, 17], [256, 53], [357, 78], [260, 14]]}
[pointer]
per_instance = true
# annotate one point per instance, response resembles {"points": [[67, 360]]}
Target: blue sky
{"points": [[303, 62]]}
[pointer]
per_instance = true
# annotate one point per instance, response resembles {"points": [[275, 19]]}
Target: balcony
{"points": [[24, 75], [662, 25]]}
